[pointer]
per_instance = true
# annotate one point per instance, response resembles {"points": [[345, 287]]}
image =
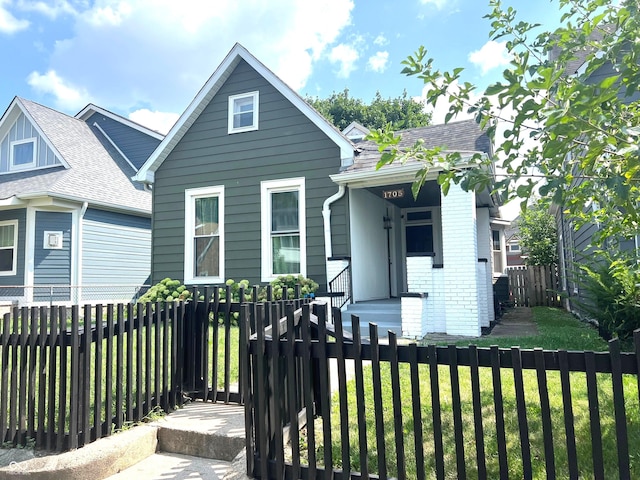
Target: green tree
{"points": [[400, 113], [586, 123], [538, 235]]}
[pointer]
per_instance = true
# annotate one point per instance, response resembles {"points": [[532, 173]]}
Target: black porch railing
{"points": [[340, 288]]}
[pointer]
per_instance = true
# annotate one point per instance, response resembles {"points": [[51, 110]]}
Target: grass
{"points": [[558, 330]]}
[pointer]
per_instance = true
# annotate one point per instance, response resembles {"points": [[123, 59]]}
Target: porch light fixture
{"points": [[387, 222]]}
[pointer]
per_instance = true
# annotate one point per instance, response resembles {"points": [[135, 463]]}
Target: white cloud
{"points": [[492, 55], [378, 62], [158, 121], [346, 56], [442, 106], [439, 4], [8, 23], [52, 8], [68, 97], [156, 54], [381, 40]]}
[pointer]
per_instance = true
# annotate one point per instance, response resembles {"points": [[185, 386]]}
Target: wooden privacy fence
{"points": [[72, 375], [534, 286], [421, 412]]}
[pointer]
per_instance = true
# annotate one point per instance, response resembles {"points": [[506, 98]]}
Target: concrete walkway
{"points": [[516, 322]]}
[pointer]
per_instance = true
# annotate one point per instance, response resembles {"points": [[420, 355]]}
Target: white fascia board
{"points": [[209, 90], [54, 199], [90, 109], [383, 176], [12, 201]]}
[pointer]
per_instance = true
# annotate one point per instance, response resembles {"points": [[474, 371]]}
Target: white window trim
{"points": [[26, 166], [256, 103], [14, 267], [190, 195], [266, 188]]}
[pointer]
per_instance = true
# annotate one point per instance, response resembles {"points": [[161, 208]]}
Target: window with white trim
{"points": [[284, 243], [23, 154], [204, 235], [8, 247], [243, 112]]}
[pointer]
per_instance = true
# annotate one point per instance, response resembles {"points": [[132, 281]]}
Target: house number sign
{"points": [[391, 194]]}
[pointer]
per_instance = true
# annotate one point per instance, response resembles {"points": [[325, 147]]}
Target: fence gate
{"points": [[534, 286]]}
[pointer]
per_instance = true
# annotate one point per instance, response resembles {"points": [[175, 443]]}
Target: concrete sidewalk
{"points": [[199, 441]]}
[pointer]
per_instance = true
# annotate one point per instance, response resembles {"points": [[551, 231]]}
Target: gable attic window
{"points": [[243, 112], [8, 247], [23, 154]]}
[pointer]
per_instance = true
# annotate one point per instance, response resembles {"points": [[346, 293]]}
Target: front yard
{"points": [[558, 331]]}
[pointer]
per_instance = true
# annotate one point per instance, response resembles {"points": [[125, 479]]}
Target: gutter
{"points": [[326, 215]]}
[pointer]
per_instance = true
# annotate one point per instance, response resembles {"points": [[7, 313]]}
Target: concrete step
{"points": [[199, 441], [161, 466], [207, 430]]}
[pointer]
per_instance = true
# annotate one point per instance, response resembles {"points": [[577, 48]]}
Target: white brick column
{"points": [[485, 251], [417, 317], [460, 259]]}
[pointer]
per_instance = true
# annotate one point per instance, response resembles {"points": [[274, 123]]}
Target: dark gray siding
{"points": [[52, 266], [116, 248], [286, 145], [136, 145], [21, 216]]}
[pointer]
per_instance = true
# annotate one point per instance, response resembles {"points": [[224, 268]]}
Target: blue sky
{"points": [[146, 59]]}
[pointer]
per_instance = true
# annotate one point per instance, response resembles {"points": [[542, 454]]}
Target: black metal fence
{"points": [[420, 412], [70, 375]]}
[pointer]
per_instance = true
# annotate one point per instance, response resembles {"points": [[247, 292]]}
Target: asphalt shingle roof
{"points": [[98, 174], [464, 136]]}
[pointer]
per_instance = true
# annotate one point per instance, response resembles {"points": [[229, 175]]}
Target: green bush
{"points": [[612, 281], [167, 290]]}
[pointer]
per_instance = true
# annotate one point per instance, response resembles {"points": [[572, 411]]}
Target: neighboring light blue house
{"points": [[73, 225]]}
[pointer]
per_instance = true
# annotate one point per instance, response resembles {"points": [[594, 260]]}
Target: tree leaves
{"points": [[574, 91]]}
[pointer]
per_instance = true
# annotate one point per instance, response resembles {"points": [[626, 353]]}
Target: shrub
{"points": [[613, 283], [167, 290]]}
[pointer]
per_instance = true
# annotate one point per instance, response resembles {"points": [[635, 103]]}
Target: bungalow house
{"points": [[252, 183], [73, 226]]}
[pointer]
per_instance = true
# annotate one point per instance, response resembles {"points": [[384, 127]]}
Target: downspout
{"points": [[78, 253], [326, 215]]}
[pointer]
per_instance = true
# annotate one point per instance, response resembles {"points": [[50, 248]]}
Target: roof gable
{"points": [[92, 170], [18, 126], [133, 141], [211, 88]]}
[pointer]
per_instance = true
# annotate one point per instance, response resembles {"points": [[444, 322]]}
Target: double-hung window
{"points": [[23, 154], [8, 247], [243, 112], [283, 228], [204, 235]]}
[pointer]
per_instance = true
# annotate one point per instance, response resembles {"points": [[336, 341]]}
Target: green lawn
{"points": [[558, 330]]}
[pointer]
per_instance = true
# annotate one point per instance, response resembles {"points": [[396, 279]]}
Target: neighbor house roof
{"points": [[93, 171], [211, 88]]}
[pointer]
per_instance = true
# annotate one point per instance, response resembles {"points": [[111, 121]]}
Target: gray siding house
{"points": [[73, 225], [575, 244], [252, 183]]}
